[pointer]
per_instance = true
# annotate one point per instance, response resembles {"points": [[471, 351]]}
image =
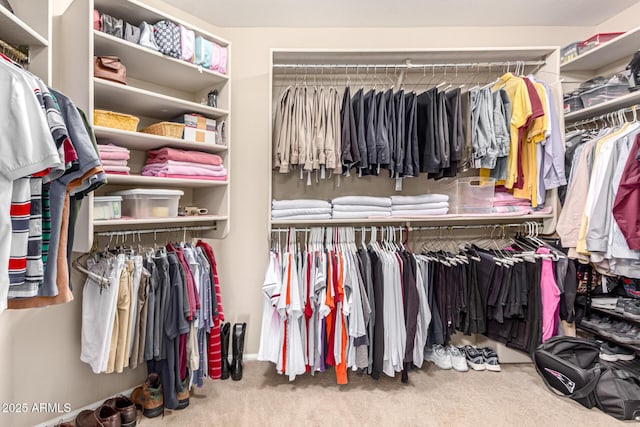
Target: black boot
{"points": [[238, 347], [225, 329]]}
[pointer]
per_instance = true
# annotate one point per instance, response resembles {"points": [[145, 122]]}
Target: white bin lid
{"points": [[151, 192], [107, 199]]}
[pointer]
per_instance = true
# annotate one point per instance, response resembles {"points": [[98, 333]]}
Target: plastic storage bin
{"points": [[474, 195], [603, 94], [569, 52], [107, 207], [573, 103], [595, 41], [149, 203]]}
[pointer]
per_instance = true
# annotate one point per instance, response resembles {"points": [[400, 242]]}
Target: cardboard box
{"points": [[198, 135], [197, 122]]}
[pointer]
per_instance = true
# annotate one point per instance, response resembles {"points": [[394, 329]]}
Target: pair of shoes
{"points": [[446, 358], [480, 359], [118, 411], [235, 368], [149, 397], [632, 309], [614, 353]]}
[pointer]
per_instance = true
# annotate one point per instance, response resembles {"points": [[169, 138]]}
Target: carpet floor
{"points": [[433, 397]]}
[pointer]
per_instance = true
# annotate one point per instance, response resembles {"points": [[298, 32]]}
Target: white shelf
{"points": [[606, 107], [607, 53], [180, 220], [439, 219], [140, 102], [14, 31], [158, 180], [167, 71], [144, 141]]}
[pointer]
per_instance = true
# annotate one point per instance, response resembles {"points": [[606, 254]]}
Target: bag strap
{"points": [[577, 394]]}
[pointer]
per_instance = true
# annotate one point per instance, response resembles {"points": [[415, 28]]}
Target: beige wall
{"points": [[40, 349], [624, 21]]}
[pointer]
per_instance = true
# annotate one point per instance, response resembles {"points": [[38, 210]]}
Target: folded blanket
{"points": [[420, 213], [116, 168], [360, 208], [506, 209], [300, 203], [171, 163], [279, 213], [166, 153], [305, 217], [108, 162], [360, 215], [362, 200], [116, 173], [424, 198], [422, 206], [112, 148], [113, 155], [151, 170], [205, 178]]}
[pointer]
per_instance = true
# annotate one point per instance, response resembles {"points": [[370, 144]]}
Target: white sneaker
{"points": [[438, 355], [458, 360]]}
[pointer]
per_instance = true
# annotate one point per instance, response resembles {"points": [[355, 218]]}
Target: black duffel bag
{"points": [[618, 394]]}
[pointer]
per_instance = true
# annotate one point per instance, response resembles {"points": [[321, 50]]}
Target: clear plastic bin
{"points": [[603, 94], [569, 52], [107, 207], [573, 103], [150, 203], [474, 195]]}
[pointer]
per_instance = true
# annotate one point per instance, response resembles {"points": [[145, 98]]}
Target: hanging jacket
{"points": [[370, 126], [382, 136], [391, 130], [400, 133], [626, 206], [350, 149], [411, 161], [357, 103]]}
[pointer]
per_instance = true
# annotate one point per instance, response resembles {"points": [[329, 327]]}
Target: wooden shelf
{"points": [[140, 102], [161, 181], [606, 107], [144, 141], [167, 71], [14, 31], [607, 53], [181, 220]]}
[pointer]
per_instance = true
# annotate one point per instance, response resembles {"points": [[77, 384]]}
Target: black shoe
{"points": [[225, 330], [491, 362], [614, 353], [474, 357], [238, 348]]}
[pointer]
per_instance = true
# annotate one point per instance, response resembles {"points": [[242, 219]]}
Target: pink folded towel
{"points": [[153, 170], [114, 155], [108, 162], [166, 153], [205, 178], [111, 147], [116, 168]]}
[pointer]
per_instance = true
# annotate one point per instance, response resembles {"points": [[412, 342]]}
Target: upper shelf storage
{"points": [[141, 102], [167, 72], [145, 141], [615, 50], [15, 31]]}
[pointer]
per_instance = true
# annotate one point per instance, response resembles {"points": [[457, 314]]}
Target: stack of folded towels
{"points": [[114, 159], [417, 206], [359, 207], [504, 202], [173, 163], [301, 209]]}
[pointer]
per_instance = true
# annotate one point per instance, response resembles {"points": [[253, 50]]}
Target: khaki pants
{"points": [[119, 343]]}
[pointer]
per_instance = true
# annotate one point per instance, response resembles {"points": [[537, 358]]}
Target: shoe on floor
{"points": [[438, 355], [474, 358], [149, 397], [614, 353], [491, 362], [126, 408], [458, 360], [104, 416], [183, 396]]}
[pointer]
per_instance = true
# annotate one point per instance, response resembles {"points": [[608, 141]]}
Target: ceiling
{"points": [[402, 13]]}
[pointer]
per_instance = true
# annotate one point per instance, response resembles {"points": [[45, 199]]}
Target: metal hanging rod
{"points": [[409, 65], [472, 227], [436, 227], [606, 116], [156, 230], [14, 53]]}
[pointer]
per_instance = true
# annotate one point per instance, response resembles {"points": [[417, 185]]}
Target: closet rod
{"points": [[410, 65], [156, 230], [14, 53], [610, 115], [436, 227]]}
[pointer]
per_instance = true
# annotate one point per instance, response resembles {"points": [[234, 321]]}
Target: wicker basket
{"points": [[170, 129], [114, 120]]}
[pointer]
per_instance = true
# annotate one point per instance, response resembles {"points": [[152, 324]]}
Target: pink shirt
{"points": [[550, 297]]}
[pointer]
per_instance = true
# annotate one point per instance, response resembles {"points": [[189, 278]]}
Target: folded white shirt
{"points": [[361, 208], [360, 215], [362, 200], [422, 206], [424, 212], [281, 213], [424, 198], [303, 217], [299, 203]]}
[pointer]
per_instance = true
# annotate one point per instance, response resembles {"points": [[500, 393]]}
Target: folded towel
{"points": [[108, 162], [422, 206], [170, 163], [506, 209], [113, 155], [166, 153], [116, 168], [360, 215], [361, 208], [362, 200], [205, 178], [151, 170], [420, 213], [111, 148], [280, 213], [300, 203], [116, 173], [305, 217], [424, 198]]}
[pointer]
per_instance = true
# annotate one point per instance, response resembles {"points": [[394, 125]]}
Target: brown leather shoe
{"points": [[104, 416], [183, 397], [126, 408], [149, 397]]}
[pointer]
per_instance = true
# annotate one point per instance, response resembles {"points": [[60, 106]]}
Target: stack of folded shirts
{"points": [[504, 202], [173, 163], [417, 206], [359, 207], [114, 159], [301, 209]]}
